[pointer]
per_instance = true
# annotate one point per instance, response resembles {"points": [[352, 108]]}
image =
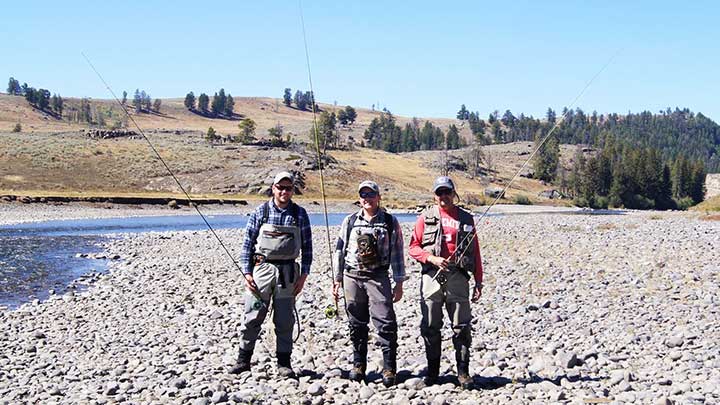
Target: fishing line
{"points": [[540, 145], [317, 148], [187, 196]]}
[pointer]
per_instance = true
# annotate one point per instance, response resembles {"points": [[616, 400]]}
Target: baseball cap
{"points": [[443, 182], [369, 184], [283, 175]]}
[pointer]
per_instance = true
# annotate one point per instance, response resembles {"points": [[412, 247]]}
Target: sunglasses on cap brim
{"points": [[443, 191]]}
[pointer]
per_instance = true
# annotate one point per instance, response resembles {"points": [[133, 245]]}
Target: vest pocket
{"points": [[429, 237]]}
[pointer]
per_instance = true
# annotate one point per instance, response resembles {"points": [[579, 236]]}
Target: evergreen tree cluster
{"points": [[303, 100], [39, 98], [142, 102], [221, 106], [671, 132], [347, 116], [383, 133], [624, 175], [14, 88]]}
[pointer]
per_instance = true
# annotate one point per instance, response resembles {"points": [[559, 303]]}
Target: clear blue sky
{"points": [[416, 58]]}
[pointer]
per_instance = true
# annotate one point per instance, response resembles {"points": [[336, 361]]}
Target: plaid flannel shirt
{"points": [[276, 216]]}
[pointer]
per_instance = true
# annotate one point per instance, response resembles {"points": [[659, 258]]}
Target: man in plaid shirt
{"points": [[276, 231]]}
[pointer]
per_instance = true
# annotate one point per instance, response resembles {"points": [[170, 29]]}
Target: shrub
{"points": [[475, 199], [600, 202], [522, 200], [580, 201], [17, 128], [684, 203]]}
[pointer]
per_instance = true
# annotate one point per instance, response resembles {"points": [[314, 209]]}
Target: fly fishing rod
{"points": [[473, 234], [167, 168], [330, 311], [187, 195]]}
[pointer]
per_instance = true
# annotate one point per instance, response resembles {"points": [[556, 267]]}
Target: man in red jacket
{"points": [[445, 243]]}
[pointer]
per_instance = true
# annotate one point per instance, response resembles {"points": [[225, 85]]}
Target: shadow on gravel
{"points": [[479, 382]]}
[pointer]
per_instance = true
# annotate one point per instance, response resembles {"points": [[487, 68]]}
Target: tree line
{"points": [[671, 132], [142, 102], [38, 98], [384, 133], [621, 174], [303, 100], [221, 106]]}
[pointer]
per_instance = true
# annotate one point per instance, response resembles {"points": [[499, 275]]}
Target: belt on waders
{"points": [[280, 264]]}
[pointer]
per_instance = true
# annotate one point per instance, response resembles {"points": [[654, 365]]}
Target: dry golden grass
{"points": [[711, 204], [51, 156], [711, 217]]}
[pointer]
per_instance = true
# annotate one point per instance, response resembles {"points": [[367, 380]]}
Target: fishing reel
{"points": [[331, 311], [258, 304], [441, 277]]}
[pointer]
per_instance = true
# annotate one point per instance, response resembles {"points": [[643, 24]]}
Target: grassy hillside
{"points": [[54, 157]]}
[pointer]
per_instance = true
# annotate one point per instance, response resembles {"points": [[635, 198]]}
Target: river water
{"points": [[42, 256]]}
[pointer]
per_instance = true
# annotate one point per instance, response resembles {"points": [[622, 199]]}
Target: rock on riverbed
{"points": [[575, 309]]}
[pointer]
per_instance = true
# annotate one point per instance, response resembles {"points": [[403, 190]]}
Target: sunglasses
{"points": [[443, 191], [284, 188], [368, 194]]}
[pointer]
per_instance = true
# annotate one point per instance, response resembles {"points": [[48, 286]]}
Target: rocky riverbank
{"points": [[576, 309]]}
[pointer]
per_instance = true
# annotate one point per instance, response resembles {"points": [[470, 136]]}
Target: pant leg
{"points": [[383, 316], [284, 308], [458, 308], [256, 308], [356, 301], [432, 298]]}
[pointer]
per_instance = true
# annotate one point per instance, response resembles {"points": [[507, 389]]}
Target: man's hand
{"points": [[250, 285], [336, 290], [477, 292], [398, 291], [299, 284], [438, 262]]}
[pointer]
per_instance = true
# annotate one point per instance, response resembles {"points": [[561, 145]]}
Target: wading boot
{"points": [[466, 382], [358, 372], [389, 377], [433, 370], [284, 368], [243, 362]]}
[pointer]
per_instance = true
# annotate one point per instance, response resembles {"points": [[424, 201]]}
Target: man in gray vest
{"points": [[276, 232], [369, 244], [445, 244]]}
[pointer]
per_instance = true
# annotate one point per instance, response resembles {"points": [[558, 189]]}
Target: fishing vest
{"points": [[278, 243], [432, 239], [374, 244]]}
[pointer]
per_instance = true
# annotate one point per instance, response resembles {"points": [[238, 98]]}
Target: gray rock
{"points": [[662, 401], [675, 341], [616, 376], [414, 383], [439, 400], [567, 360], [219, 397], [675, 355], [179, 383], [316, 389], [111, 388], [366, 393]]}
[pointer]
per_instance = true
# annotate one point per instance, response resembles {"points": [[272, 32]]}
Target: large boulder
{"points": [[494, 192]]}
